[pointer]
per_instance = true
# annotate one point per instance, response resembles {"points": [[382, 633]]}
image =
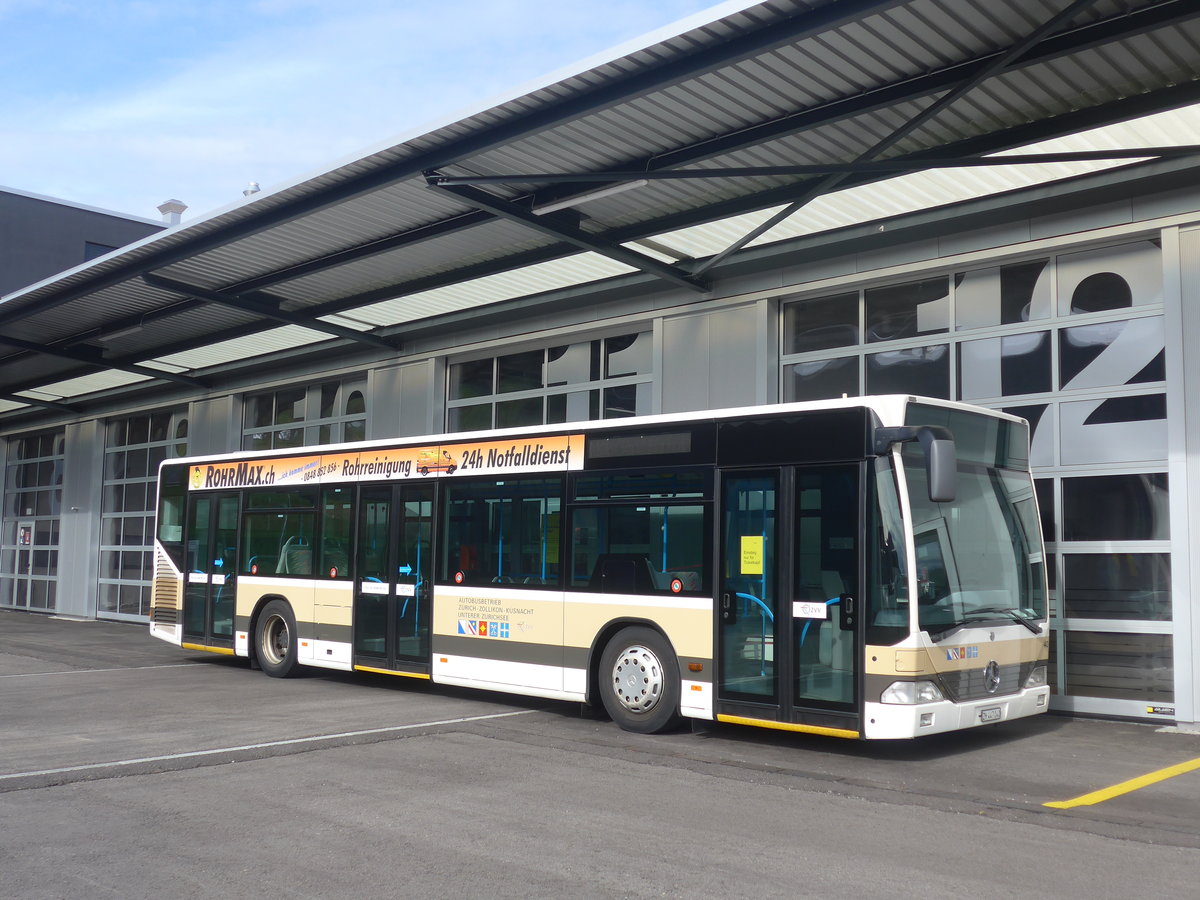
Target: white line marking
{"points": [[94, 671], [264, 746]]}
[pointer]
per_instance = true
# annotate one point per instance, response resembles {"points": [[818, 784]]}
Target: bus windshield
{"points": [[979, 560]]}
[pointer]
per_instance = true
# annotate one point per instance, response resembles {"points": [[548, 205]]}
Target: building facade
{"points": [[1083, 321], [41, 236]]}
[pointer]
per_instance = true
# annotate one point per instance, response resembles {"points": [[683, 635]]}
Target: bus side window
{"points": [[502, 531], [640, 548], [337, 523], [622, 573]]}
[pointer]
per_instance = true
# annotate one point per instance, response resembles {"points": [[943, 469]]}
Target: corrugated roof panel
{"points": [[354, 222], [485, 242], [272, 341], [85, 384], [935, 188], [347, 322], [549, 276]]}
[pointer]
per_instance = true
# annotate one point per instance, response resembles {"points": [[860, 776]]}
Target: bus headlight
{"points": [[912, 692], [1036, 678]]}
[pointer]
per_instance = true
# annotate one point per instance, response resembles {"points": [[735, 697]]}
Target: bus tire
{"points": [[639, 681], [275, 640]]}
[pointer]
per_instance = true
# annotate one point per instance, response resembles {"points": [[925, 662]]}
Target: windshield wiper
{"points": [[946, 632], [981, 615], [1012, 614]]}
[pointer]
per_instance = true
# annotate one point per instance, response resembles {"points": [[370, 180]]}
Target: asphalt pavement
{"points": [[130, 768]]}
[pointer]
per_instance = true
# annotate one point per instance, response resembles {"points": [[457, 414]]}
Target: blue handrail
{"points": [[767, 614]]}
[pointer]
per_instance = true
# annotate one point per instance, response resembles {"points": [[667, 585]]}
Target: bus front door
{"points": [[787, 606], [392, 578], [211, 569]]}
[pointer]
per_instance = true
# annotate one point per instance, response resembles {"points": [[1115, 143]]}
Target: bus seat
{"points": [[622, 573], [295, 558]]}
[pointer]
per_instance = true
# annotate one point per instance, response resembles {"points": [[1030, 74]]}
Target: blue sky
{"points": [[122, 104]]}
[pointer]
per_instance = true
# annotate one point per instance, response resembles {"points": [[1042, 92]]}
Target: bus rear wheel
{"points": [[275, 640], [639, 681]]}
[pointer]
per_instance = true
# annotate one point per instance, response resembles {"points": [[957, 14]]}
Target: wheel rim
{"points": [[637, 679], [277, 640]]}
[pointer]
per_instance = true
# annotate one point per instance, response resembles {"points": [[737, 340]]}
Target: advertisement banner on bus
{"points": [[557, 453]]}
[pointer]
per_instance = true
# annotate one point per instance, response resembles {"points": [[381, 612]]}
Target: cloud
{"points": [[151, 101]]}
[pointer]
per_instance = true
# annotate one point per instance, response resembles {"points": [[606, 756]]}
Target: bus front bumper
{"points": [[882, 721]]}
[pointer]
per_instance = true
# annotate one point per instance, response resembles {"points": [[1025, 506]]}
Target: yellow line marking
{"points": [[788, 726], [1125, 787], [391, 672], [226, 651]]}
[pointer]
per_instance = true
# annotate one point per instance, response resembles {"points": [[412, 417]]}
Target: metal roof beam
{"points": [[44, 404], [556, 228], [801, 25], [1029, 52], [1092, 34], [264, 305], [96, 360], [993, 68], [887, 167], [1161, 15], [1020, 136], [995, 142]]}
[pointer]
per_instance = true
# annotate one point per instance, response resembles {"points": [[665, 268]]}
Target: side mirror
{"points": [[941, 465], [941, 459]]}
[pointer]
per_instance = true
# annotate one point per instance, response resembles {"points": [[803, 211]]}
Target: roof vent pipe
{"points": [[171, 211], [251, 188]]}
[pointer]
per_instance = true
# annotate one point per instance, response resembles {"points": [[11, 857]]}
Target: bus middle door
{"points": [[787, 625], [211, 569], [393, 587]]}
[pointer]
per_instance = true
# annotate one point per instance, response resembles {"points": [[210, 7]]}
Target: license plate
{"points": [[991, 714]]}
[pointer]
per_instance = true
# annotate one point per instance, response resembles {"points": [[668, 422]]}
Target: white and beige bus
{"points": [[863, 568]]}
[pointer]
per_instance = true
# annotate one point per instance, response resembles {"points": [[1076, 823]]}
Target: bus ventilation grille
{"points": [[164, 608], [971, 684]]}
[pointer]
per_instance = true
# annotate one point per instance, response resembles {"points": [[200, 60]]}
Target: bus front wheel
{"points": [[275, 639], [639, 681]]}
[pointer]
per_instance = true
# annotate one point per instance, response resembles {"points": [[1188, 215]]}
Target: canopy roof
{"points": [[754, 123]]}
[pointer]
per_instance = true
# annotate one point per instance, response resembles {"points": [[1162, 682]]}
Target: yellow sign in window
{"points": [[752, 554]]}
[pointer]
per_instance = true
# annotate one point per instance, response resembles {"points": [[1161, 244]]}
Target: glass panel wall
{"points": [[609, 378], [1075, 343], [29, 529], [134, 447], [330, 412]]}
